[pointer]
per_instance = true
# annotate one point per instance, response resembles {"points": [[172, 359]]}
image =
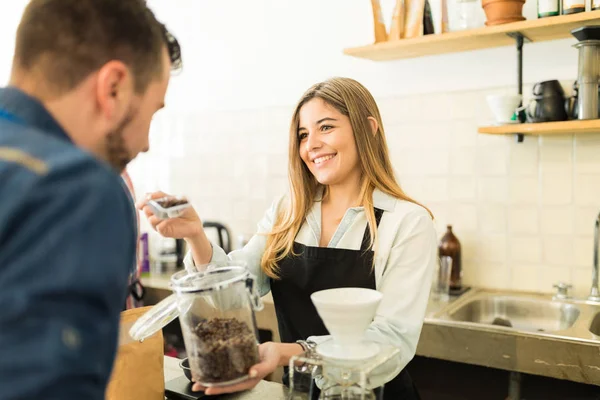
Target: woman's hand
{"points": [[186, 226], [269, 355]]}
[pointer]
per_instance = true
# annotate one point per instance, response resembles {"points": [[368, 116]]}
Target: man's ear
{"points": [[374, 125], [114, 89]]}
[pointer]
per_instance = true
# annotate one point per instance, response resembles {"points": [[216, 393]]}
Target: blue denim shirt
{"points": [[67, 244]]}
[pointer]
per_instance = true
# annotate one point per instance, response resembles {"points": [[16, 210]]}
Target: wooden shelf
{"points": [[545, 128], [536, 30]]}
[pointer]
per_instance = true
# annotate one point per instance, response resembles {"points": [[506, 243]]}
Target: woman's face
{"points": [[326, 143]]}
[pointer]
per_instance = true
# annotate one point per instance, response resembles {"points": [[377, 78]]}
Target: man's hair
{"points": [[65, 41]]}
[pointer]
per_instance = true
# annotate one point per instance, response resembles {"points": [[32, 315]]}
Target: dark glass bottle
{"points": [[450, 246]]}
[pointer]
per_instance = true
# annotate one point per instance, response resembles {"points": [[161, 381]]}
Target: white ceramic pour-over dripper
{"points": [[503, 106], [347, 313]]}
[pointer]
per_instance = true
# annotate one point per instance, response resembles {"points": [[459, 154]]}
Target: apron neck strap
{"points": [[367, 236]]}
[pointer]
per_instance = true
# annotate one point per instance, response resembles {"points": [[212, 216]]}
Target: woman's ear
{"points": [[374, 125]]}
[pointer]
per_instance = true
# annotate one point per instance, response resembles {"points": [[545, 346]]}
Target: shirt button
{"points": [[71, 338]]}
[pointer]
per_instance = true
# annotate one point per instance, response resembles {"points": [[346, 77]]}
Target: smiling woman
{"points": [[345, 223]]}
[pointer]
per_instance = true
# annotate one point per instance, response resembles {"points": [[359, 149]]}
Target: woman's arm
{"points": [[202, 251], [405, 285], [200, 248], [287, 351]]}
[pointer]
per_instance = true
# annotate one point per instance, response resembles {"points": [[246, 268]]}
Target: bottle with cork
{"points": [[450, 246]]}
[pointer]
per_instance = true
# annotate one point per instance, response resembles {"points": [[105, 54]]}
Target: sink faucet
{"points": [[594, 292], [562, 291]]}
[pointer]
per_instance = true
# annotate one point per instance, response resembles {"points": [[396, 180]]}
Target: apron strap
{"points": [[367, 236]]}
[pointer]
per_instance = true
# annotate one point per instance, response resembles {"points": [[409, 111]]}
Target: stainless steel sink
{"points": [[520, 313], [528, 332], [595, 326]]}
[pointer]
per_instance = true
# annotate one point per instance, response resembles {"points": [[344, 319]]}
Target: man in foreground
{"points": [[87, 77]]}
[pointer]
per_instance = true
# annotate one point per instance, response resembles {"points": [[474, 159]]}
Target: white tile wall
{"points": [[524, 276], [525, 249], [524, 212], [523, 220]]}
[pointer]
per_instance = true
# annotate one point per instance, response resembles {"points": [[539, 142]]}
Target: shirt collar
{"points": [[381, 200], [30, 112]]}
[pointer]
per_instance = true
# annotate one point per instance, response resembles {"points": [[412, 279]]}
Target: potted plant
{"points": [[503, 11]]}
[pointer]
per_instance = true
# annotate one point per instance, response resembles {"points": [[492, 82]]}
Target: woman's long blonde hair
{"points": [[353, 100]]}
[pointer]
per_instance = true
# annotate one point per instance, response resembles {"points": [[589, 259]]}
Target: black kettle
{"points": [[223, 234], [548, 103]]}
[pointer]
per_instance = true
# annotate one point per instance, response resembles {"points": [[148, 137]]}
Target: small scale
{"points": [[181, 389]]}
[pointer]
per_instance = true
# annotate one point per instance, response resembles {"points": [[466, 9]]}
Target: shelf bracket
{"points": [[520, 39]]}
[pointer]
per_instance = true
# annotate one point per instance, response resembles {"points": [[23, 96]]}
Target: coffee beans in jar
{"points": [[226, 349]]}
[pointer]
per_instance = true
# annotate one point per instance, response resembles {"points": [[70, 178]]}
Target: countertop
{"points": [[263, 391], [156, 281], [496, 347]]}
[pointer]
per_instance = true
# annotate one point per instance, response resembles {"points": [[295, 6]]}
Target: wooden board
{"points": [[545, 128], [536, 30]]}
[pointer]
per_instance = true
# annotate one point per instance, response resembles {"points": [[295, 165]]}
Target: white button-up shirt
{"points": [[405, 258]]}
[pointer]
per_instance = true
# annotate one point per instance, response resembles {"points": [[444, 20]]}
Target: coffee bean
{"points": [[226, 350], [167, 203]]}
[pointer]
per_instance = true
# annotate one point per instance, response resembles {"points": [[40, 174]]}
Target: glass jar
{"points": [[468, 17], [216, 311]]}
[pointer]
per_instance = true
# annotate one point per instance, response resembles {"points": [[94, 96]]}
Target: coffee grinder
{"points": [[588, 72]]}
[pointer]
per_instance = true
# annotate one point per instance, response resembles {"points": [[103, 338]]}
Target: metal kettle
{"points": [[548, 103], [222, 232], [223, 235], [573, 105]]}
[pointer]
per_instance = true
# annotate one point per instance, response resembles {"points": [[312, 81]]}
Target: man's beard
{"points": [[117, 154]]}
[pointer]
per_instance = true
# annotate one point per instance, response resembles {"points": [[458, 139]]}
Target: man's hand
{"points": [[269, 355]]}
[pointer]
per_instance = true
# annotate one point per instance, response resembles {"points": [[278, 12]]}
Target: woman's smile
{"points": [[321, 161]]}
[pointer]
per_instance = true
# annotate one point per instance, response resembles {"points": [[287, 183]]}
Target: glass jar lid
{"points": [[184, 282], [155, 319], [209, 280]]}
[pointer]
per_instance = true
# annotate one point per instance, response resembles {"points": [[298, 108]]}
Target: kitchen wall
{"points": [[524, 212]]}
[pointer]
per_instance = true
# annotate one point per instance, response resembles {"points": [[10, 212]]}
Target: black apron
{"points": [[319, 268]]}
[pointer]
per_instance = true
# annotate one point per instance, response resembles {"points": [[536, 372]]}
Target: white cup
{"points": [[503, 106]]}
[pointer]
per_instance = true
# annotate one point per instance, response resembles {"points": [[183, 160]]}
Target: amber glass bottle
{"points": [[450, 246]]}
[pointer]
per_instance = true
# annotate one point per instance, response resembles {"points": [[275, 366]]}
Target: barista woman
{"points": [[345, 223]]}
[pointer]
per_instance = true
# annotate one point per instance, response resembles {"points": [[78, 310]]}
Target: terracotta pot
{"points": [[503, 11]]}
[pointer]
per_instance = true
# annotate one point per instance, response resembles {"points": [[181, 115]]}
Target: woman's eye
{"points": [[326, 127], [302, 135]]}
